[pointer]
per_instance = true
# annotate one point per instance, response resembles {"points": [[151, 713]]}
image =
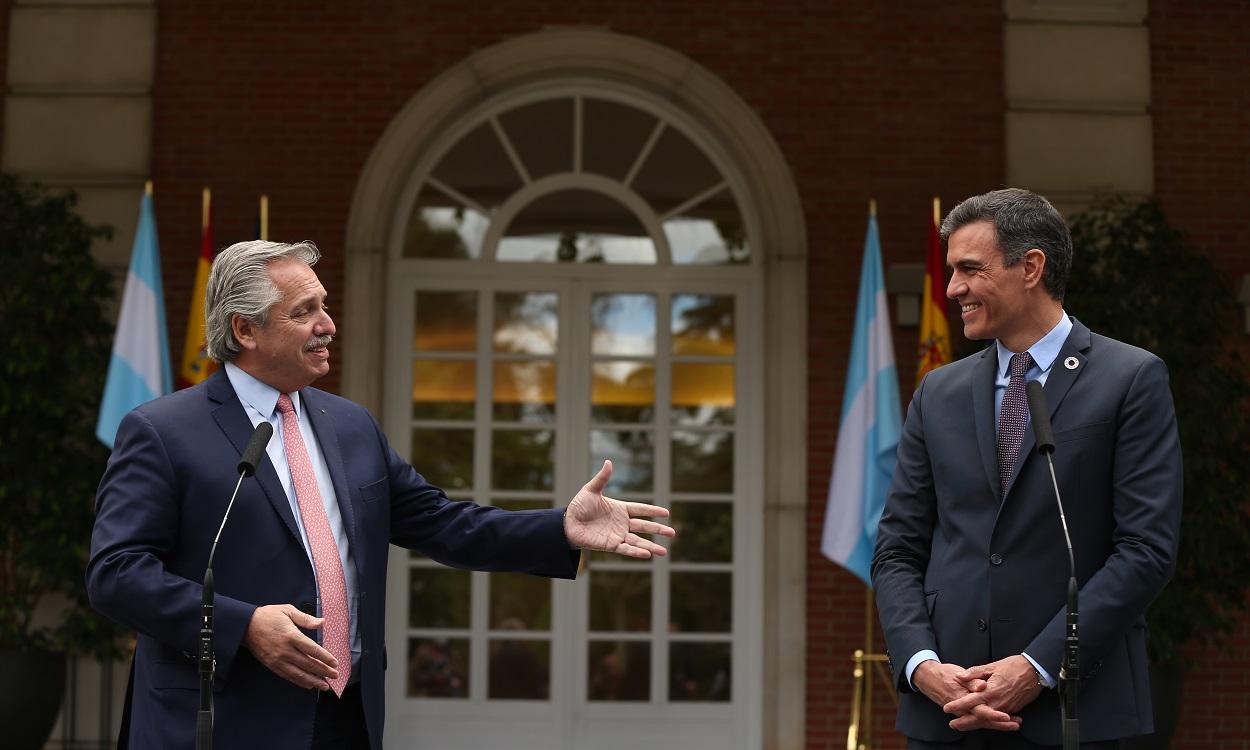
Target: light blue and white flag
{"points": [[869, 430], [139, 370]]}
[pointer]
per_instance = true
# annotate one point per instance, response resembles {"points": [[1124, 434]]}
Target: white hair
{"points": [[239, 284]]}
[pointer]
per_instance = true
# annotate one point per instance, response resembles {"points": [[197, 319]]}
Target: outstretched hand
{"points": [[597, 522]]}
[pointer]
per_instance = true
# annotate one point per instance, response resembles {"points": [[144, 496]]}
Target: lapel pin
{"points": [[323, 411], [1071, 363]]}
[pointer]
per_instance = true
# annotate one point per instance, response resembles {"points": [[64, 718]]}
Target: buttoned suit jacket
{"points": [[160, 502], [977, 579]]}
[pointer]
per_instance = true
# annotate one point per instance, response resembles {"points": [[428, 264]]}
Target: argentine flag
{"points": [[870, 426], [139, 370]]}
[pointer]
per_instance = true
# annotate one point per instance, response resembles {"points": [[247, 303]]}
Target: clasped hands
{"points": [[982, 697]]}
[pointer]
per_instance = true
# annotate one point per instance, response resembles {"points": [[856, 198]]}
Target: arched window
{"points": [[574, 280]]}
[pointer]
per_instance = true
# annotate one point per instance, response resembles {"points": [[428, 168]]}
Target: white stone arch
{"points": [[774, 200]]}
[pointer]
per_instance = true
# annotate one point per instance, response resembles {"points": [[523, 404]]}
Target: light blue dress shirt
{"points": [[260, 401], [1044, 353]]}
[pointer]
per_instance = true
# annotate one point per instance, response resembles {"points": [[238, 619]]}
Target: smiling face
{"points": [[291, 350], [997, 301]]}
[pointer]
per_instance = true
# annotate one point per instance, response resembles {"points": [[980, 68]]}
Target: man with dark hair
{"points": [[971, 568], [301, 569]]}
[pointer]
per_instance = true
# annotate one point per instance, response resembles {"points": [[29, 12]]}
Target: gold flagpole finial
{"points": [[147, 188], [872, 207], [264, 217], [207, 202], [937, 211]]}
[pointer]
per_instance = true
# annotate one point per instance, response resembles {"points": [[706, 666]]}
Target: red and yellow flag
{"points": [[196, 366], [935, 331]]}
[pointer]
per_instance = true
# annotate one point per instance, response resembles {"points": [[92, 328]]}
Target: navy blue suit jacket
{"points": [[160, 503], [978, 580]]}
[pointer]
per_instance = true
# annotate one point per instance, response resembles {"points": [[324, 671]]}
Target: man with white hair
{"points": [[300, 571]]}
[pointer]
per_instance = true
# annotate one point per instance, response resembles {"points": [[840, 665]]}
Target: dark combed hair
{"points": [[1022, 220]]}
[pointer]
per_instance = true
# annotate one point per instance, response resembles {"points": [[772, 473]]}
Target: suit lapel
{"points": [[327, 437], [983, 415], [1058, 383], [233, 421]]}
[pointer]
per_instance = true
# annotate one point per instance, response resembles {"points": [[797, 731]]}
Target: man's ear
{"points": [[1034, 261], [244, 331]]}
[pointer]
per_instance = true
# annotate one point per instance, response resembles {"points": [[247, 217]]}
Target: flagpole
{"points": [[869, 605], [147, 188], [937, 211], [264, 217]]}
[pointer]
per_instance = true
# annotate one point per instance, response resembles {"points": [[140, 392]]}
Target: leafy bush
{"points": [[57, 348], [1135, 279]]}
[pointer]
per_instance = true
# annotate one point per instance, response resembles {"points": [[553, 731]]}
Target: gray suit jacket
{"points": [[978, 580]]}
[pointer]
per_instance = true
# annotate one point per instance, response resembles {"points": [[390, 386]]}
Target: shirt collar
{"points": [[261, 397], [1043, 352]]}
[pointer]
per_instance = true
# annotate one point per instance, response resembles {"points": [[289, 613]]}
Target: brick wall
{"points": [[1201, 108], [898, 104], [5, 9]]}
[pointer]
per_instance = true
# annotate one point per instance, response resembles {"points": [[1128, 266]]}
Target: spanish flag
{"points": [[935, 331], [196, 366]]}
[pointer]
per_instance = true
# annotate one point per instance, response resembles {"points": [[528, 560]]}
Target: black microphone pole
{"points": [[208, 662], [1070, 673]]}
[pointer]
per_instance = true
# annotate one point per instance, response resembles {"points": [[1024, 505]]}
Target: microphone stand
{"points": [[1070, 672], [207, 659]]}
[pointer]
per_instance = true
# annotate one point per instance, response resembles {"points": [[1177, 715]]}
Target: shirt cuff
{"points": [[1047, 680], [915, 661]]}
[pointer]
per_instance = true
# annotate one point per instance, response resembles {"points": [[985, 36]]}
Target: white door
{"points": [[545, 316]]}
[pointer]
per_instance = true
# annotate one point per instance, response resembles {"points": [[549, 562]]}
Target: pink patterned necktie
{"points": [[1013, 417], [330, 581]]}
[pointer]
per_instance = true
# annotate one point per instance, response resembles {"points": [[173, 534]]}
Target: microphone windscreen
{"points": [[1042, 434], [255, 448]]}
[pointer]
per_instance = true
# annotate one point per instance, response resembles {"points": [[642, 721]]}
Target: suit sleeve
{"points": [[136, 529], [1146, 505], [475, 537], [904, 539]]}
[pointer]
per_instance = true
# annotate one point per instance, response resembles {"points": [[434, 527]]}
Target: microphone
{"points": [[1070, 673], [208, 662], [255, 447]]}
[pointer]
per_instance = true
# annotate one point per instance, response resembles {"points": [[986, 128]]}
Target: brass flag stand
{"points": [[867, 665]]}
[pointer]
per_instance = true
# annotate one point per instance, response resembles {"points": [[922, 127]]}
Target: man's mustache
{"points": [[318, 342]]}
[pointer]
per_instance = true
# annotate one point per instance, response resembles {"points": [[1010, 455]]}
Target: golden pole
{"points": [[872, 207], [206, 200], [147, 188], [264, 217], [852, 733], [869, 607], [937, 211]]}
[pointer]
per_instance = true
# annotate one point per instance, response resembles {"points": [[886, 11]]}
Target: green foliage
{"points": [[1135, 280], [51, 377]]}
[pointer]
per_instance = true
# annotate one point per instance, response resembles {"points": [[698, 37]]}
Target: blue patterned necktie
{"points": [[1013, 417]]}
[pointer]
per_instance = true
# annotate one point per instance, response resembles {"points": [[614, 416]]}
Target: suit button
{"points": [[996, 559], [981, 625], [362, 596]]}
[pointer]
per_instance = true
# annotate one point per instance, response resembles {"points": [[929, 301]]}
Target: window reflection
{"points": [[438, 598], [633, 458], [618, 671], [676, 171], [704, 532], [445, 321], [525, 391], [440, 227], [623, 324], [699, 672], [703, 461], [478, 168], [703, 324], [522, 459], [519, 670], [703, 394], [444, 456], [710, 233], [700, 602], [438, 667], [620, 601], [443, 388], [526, 322], [622, 391], [576, 226]]}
